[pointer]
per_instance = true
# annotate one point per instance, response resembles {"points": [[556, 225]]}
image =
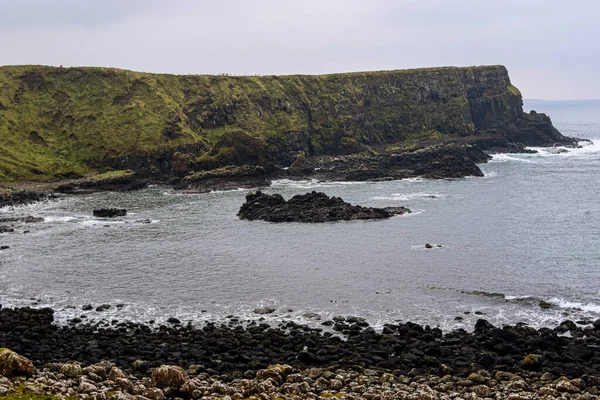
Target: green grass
{"points": [[68, 122]]}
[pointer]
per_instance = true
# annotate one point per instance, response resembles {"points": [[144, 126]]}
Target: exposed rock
{"points": [[264, 310], [225, 178], [13, 364], [122, 180], [169, 376], [310, 207], [301, 167], [109, 212]]}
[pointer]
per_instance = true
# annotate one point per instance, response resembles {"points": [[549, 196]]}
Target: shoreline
{"points": [[123, 359], [236, 345]]}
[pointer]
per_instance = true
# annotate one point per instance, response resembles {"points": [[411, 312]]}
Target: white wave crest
{"points": [[410, 196]]}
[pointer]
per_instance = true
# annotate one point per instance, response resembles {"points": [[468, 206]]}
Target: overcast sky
{"points": [[550, 47]]}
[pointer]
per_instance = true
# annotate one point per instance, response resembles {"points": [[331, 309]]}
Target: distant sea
{"points": [[527, 232]]}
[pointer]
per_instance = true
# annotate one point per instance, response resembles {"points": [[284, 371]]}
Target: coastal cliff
{"points": [[58, 123]]}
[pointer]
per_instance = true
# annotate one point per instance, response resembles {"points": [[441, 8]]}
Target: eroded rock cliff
{"points": [[66, 122]]}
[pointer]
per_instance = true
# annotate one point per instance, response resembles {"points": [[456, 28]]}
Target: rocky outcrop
{"points": [[226, 178], [110, 181], [88, 119], [440, 161], [310, 207]]}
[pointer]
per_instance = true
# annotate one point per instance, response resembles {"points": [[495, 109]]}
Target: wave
{"points": [[502, 158], [548, 302], [410, 196], [314, 183]]}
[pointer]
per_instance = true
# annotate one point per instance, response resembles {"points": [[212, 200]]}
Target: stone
{"points": [[169, 376], [71, 370], [13, 364], [264, 310], [154, 394]]}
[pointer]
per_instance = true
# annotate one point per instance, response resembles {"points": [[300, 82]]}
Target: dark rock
{"points": [[87, 307], [545, 304], [6, 229], [428, 246], [103, 307], [483, 325], [31, 219], [110, 212], [310, 207], [173, 320], [4, 247], [264, 310], [301, 167], [225, 178]]}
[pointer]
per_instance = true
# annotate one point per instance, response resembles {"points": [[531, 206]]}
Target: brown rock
{"points": [[13, 364], [169, 376]]}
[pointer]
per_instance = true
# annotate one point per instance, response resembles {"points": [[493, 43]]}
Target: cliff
{"points": [[67, 122]]}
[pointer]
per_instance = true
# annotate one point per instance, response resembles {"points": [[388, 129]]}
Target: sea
{"points": [[525, 234]]}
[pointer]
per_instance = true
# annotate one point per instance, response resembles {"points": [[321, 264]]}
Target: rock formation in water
{"points": [[310, 207], [68, 122]]}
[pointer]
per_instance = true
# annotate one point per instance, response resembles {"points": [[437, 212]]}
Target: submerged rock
{"points": [[310, 207], [110, 212]]}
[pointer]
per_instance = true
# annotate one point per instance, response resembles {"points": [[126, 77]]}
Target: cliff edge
{"points": [[58, 123]]}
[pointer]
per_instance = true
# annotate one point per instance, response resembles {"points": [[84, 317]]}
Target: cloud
{"points": [[540, 41]]}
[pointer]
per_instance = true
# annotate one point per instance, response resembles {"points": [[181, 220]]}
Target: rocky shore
{"points": [[347, 358]]}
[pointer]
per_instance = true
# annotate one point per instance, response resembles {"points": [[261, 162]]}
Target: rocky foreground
{"points": [[347, 359], [310, 207]]}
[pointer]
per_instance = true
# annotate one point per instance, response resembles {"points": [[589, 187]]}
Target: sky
{"points": [[550, 47]]}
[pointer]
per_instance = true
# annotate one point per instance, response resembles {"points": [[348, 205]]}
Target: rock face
{"points": [[126, 120], [310, 207]]}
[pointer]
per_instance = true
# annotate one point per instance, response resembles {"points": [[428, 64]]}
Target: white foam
{"points": [[410, 196], [313, 183], [502, 158], [53, 218], [574, 305]]}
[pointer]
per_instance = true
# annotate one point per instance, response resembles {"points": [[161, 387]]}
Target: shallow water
{"points": [[529, 230]]}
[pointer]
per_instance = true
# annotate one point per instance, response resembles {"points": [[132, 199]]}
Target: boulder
{"points": [[169, 376], [13, 364], [109, 212], [310, 207]]}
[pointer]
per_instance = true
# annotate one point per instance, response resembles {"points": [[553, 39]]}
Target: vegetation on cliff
{"points": [[68, 122]]}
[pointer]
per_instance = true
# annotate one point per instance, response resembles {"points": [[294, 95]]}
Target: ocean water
{"points": [[527, 231]]}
